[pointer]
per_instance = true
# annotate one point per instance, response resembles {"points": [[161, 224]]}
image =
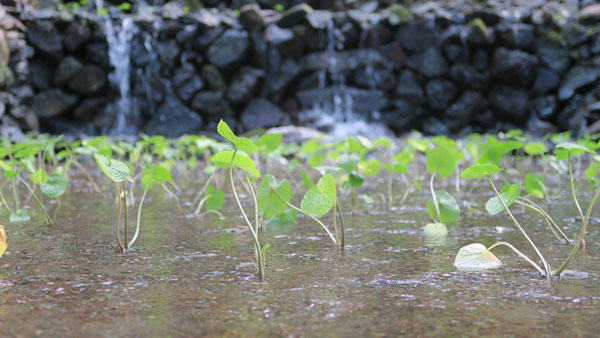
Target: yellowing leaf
{"points": [[3, 244]]}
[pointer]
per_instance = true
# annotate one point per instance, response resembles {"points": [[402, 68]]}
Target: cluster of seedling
{"points": [[322, 171]]}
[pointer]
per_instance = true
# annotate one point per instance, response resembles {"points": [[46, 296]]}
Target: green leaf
{"points": [[268, 203], [269, 142], [39, 176], [509, 193], [320, 199], [286, 217], [449, 210], [316, 159], [435, 230], [223, 159], [155, 174], [438, 160], [563, 150], [215, 200], [348, 162], [55, 186], [396, 168], [240, 143], [116, 171], [305, 179], [480, 170], [355, 180], [476, 257], [324, 170], [535, 148], [369, 167], [21, 215], [534, 185], [420, 145]]}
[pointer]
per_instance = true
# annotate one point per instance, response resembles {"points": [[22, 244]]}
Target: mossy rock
{"points": [[398, 14]]}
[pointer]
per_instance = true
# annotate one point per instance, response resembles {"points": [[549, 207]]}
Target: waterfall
{"points": [[335, 112], [119, 50]]}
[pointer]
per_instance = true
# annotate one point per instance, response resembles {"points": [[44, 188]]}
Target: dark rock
{"points": [[98, 54], [490, 18], [140, 56], [409, 89], [260, 113], [88, 109], [312, 80], [572, 117], [66, 69], [545, 81], [589, 14], [454, 52], [403, 117], [188, 89], [343, 61], [52, 102], [416, 36], [393, 53], [464, 110], [168, 52], [208, 37], [581, 52], [186, 34], [509, 103], [363, 101], [259, 49], [244, 85], [440, 93], [513, 35], [466, 76], [374, 77], [574, 34], [595, 45], [211, 103], [89, 80], [480, 60], [538, 128], [230, 49], [75, 35], [251, 17], [578, 77], [40, 74], [294, 16], [545, 106], [434, 126], [478, 34], [213, 77], [376, 35], [277, 81], [553, 53], [45, 37], [173, 119], [429, 63], [183, 74], [513, 67], [278, 36]]}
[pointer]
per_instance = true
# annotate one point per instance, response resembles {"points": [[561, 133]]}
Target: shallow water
{"points": [[193, 276]]}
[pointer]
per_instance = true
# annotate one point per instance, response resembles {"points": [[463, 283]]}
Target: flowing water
{"points": [[193, 276]]}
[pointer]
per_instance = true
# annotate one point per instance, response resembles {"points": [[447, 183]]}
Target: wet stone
{"points": [[261, 113], [88, 80], [52, 102], [510, 104], [578, 77], [230, 49], [429, 63], [66, 69]]}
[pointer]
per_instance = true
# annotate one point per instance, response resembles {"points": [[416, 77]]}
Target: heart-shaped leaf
{"points": [[438, 160], [480, 170], [534, 185], [449, 210], [116, 171], [535, 148], [355, 180], [319, 199], [240, 143], [215, 200], [369, 167], [324, 170], [268, 203], [435, 230], [223, 159], [38, 176], [269, 142], [509, 193], [55, 186], [348, 162], [21, 215], [476, 257]]}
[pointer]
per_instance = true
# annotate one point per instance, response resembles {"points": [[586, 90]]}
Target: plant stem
{"points": [[337, 237], [15, 193], [4, 201], [139, 215], [202, 190], [121, 247], [48, 220], [573, 189], [390, 194], [311, 216], [520, 254], [258, 252], [253, 194], [556, 227], [174, 196], [520, 228], [125, 213], [56, 210], [87, 174], [342, 225], [543, 215], [435, 202], [558, 271]]}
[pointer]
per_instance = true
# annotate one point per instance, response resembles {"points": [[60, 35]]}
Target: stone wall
{"points": [[435, 71]]}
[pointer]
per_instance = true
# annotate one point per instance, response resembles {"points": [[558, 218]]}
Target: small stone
{"points": [[553, 53], [88, 80], [251, 17], [513, 67], [409, 89], [230, 49], [213, 77], [416, 36], [52, 102], [211, 103], [578, 77], [75, 35], [260, 113], [173, 119], [440, 93], [429, 63], [40, 74], [545, 81], [509, 103], [545, 106], [45, 37], [294, 16], [244, 85], [66, 69]]}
